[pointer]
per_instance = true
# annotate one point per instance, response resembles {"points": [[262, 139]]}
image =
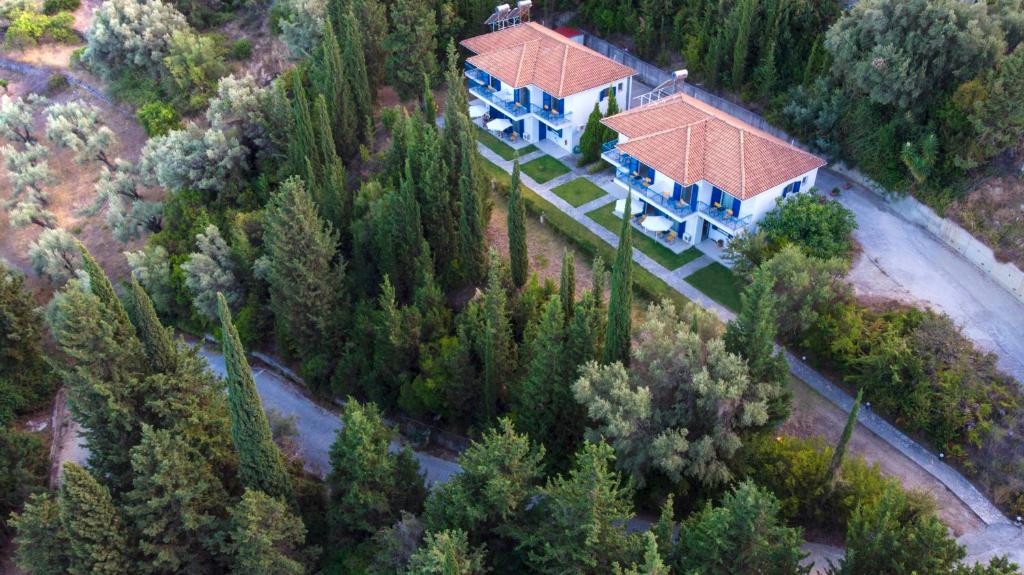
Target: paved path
{"points": [[904, 261], [949, 477], [316, 425]]}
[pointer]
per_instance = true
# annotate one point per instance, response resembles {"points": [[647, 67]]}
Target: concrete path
{"points": [[904, 261], [688, 268]]}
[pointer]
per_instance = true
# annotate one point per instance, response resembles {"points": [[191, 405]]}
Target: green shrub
{"points": [[23, 469], [158, 118], [75, 60], [29, 28], [794, 470], [821, 228], [240, 49], [57, 83], [54, 6], [135, 88]]}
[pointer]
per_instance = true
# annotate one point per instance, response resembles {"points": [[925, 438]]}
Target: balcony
{"points": [[723, 217], [661, 201], [476, 74], [612, 155], [550, 117], [501, 100]]}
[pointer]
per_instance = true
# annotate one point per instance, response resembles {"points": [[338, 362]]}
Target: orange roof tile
{"points": [[689, 141], [532, 54]]}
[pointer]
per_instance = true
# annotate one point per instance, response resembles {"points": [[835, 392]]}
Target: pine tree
{"points": [[545, 408], [499, 352], [446, 553], [664, 530], [97, 541], [266, 537], [412, 45], [752, 336], [567, 284], [42, 543], [844, 439], [369, 484], [303, 271], [653, 561], [471, 226], [156, 339], [620, 306], [518, 257], [175, 505], [260, 465]]}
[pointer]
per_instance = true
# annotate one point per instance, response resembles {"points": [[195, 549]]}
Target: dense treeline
{"points": [[920, 95]]}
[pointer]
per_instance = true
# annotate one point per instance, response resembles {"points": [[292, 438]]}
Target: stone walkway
{"points": [[948, 476]]}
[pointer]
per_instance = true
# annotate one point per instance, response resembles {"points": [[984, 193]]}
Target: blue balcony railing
{"points": [[723, 217], [476, 74], [659, 200], [504, 103], [551, 117], [612, 154]]}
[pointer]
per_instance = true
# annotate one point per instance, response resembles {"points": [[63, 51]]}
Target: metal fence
{"points": [[653, 76]]}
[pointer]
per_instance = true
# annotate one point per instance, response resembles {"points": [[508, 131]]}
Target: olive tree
{"points": [[25, 213], [211, 159], [131, 35], [28, 172], [128, 213], [302, 25], [209, 271], [77, 125], [152, 267], [681, 407], [16, 117], [55, 255]]}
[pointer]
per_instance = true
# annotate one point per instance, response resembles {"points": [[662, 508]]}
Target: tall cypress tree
{"points": [[620, 306], [332, 83], [752, 336], [592, 138], [567, 284], [844, 439], [440, 222], [518, 256], [260, 465], [499, 352], [302, 143], [353, 58], [100, 285], [471, 225], [747, 10], [429, 104], [156, 339], [97, 541]]}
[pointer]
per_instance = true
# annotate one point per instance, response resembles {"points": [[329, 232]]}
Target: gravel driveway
{"points": [[906, 262]]}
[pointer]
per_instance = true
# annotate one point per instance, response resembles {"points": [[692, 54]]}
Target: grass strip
{"points": [[606, 217]]}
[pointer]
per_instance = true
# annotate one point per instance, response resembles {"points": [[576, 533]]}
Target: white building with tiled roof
{"points": [[710, 174], [543, 82]]}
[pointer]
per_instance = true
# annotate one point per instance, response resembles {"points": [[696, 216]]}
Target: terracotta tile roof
{"points": [[532, 54], [688, 141]]}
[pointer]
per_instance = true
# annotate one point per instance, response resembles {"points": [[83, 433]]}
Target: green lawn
{"points": [[718, 283], [504, 150], [645, 283], [544, 169], [659, 253], [578, 192]]}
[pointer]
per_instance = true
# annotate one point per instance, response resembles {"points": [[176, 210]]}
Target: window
{"points": [[604, 93]]}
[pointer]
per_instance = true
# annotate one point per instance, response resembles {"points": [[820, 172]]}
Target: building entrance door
{"points": [[543, 132]]}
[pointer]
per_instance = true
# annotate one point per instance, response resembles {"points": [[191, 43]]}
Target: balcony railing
{"points": [[612, 154], [477, 75], [661, 201], [553, 118], [501, 101], [723, 217]]}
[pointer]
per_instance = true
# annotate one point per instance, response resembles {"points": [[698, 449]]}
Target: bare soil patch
{"points": [[813, 415], [269, 57], [74, 189], [994, 213]]}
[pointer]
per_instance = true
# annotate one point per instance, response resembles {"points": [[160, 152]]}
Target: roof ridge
{"points": [[686, 155], [743, 169], [522, 56], [561, 80]]}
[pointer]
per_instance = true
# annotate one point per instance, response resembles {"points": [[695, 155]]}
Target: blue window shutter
{"points": [[796, 187], [547, 100], [682, 229], [650, 173], [716, 195], [603, 93], [694, 192], [515, 96], [677, 191], [736, 207]]}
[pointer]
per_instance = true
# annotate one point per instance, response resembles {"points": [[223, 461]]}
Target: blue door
{"points": [[543, 133]]}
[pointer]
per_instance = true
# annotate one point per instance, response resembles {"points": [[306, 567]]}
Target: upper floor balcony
{"points": [[613, 155], [723, 217], [501, 100], [661, 200]]}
